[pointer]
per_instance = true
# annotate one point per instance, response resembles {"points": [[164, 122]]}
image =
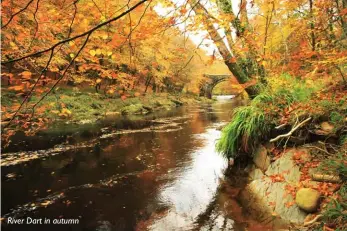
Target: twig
{"points": [[291, 131], [320, 149], [326, 178], [280, 126], [313, 220]]}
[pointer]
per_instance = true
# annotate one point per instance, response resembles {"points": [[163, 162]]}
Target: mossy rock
{"points": [[135, 109], [307, 199], [177, 102]]}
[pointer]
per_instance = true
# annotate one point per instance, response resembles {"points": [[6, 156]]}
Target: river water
{"points": [[158, 172]]}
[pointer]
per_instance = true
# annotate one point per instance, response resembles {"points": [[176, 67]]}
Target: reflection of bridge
{"points": [[206, 87]]}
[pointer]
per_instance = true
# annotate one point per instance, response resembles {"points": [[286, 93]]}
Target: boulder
{"points": [[255, 174], [286, 167], [135, 109], [307, 199], [260, 158], [264, 198]]}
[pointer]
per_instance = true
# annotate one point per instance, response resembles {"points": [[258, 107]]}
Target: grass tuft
{"points": [[243, 133], [252, 123]]}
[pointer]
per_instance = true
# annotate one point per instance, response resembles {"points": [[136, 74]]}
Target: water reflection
{"points": [[190, 194], [136, 179]]}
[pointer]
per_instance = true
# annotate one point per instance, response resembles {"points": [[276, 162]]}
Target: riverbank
{"points": [[300, 187], [294, 139], [83, 107]]}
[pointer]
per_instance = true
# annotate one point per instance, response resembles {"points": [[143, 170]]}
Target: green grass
{"points": [[250, 124], [243, 133], [337, 164], [88, 105], [335, 212]]}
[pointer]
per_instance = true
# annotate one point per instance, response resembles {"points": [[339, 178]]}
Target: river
{"points": [[157, 172]]}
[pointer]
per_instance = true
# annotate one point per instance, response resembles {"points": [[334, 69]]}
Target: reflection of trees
{"points": [[204, 218], [197, 124]]}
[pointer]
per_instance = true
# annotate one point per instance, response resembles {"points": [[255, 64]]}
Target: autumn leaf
{"points": [[289, 204], [232, 60], [183, 11], [17, 88], [92, 52], [26, 74]]}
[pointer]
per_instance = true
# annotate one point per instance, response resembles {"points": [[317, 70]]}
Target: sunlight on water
{"points": [[190, 194], [224, 97]]}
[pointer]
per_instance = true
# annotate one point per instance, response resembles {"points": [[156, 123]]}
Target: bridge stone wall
{"points": [[206, 87]]}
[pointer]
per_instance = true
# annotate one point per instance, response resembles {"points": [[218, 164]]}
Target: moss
{"points": [[135, 109], [86, 105]]}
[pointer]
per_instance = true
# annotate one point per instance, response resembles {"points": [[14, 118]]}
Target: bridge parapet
{"points": [[207, 87]]}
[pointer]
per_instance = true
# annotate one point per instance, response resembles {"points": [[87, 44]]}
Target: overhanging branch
{"points": [[89, 32]]}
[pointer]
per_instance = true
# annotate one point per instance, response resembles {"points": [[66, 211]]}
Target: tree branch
{"points": [[62, 76], [18, 12], [89, 32], [291, 131]]}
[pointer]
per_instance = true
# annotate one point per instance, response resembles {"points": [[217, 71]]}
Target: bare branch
{"points": [[291, 131]]}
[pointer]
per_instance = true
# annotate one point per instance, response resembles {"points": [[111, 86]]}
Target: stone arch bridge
{"points": [[206, 86]]}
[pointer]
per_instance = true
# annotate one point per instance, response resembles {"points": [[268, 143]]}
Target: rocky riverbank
{"points": [[293, 187]]}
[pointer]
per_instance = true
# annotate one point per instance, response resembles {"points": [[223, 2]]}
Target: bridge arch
{"points": [[206, 87]]}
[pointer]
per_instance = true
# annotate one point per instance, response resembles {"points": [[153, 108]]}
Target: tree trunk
{"points": [[229, 59], [313, 37], [241, 26], [147, 83]]}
